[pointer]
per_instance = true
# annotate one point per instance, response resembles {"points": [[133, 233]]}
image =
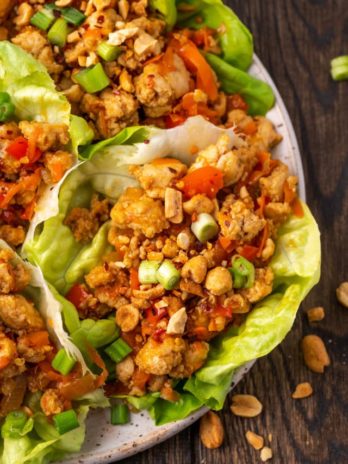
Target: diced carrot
{"points": [[297, 208], [134, 279], [37, 339], [264, 237], [207, 180]]}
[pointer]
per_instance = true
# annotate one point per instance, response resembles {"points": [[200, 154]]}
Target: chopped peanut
{"points": [[316, 314], [302, 390], [246, 406], [315, 355], [266, 454], [342, 294], [211, 430], [256, 441]]}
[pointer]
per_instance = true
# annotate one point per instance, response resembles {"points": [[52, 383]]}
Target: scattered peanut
{"points": [[266, 454], [342, 294], [302, 390], [211, 430], [315, 355], [256, 441], [246, 406], [127, 317], [316, 314], [195, 269]]}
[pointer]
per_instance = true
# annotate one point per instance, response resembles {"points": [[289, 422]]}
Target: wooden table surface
{"points": [[295, 40]]}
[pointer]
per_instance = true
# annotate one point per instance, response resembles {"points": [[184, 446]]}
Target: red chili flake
{"points": [[100, 19], [158, 335], [147, 141]]}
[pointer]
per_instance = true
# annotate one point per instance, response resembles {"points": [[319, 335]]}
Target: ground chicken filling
{"points": [[192, 247], [146, 75], [32, 155], [26, 350]]}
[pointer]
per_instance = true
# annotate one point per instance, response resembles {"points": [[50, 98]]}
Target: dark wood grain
{"points": [[296, 39]]}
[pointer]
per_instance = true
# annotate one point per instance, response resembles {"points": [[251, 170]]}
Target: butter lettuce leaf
{"points": [[31, 88], [234, 38], [51, 244], [258, 95], [296, 265]]}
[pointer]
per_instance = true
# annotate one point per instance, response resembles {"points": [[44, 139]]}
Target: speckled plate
{"points": [[106, 443]]}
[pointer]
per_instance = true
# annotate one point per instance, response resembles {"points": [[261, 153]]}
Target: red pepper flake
{"points": [[158, 335]]}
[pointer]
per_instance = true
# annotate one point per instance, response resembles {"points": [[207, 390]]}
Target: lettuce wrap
{"points": [[34, 94], [35, 440], [296, 262]]}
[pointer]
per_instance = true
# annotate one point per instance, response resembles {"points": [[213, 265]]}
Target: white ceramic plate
{"points": [[106, 443]]}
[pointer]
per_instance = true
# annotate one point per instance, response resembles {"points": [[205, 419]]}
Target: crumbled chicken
{"points": [[273, 185], [198, 204], [157, 92], [222, 157], [237, 221], [261, 287], [47, 136], [32, 41], [137, 211], [156, 176], [161, 358], [19, 314], [112, 110]]}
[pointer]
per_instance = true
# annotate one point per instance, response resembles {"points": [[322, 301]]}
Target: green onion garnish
{"points": [[119, 414], [205, 228], [92, 79], [118, 350], [66, 421], [168, 275], [108, 52], [339, 68], [42, 19], [73, 16], [102, 332], [58, 33], [7, 108], [243, 272], [147, 272], [62, 362]]}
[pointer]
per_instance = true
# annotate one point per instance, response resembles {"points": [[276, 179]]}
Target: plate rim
{"points": [[167, 431]]}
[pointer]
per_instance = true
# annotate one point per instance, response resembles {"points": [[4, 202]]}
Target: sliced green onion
{"points": [[14, 424], [92, 79], [62, 362], [205, 228], [119, 414], [110, 367], [147, 272], [66, 421], [168, 275], [102, 333], [42, 19], [7, 108], [243, 272], [118, 350], [58, 33], [73, 16], [339, 68], [108, 52]]}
